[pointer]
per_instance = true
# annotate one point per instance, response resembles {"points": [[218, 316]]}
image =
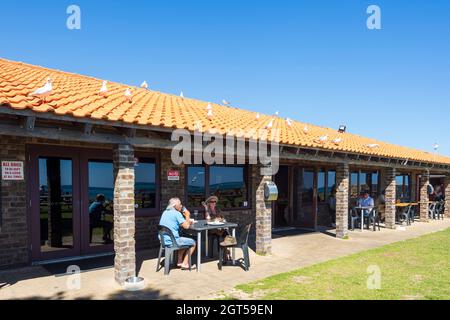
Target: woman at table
{"points": [[213, 213]]}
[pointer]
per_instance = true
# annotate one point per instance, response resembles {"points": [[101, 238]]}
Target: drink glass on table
{"points": [[195, 215]]}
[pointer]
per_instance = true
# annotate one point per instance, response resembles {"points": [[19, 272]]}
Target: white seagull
{"points": [[128, 95], [104, 89], [225, 103], [306, 129], [45, 91], [289, 122], [322, 139], [270, 124], [144, 85], [373, 145], [210, 114], [181, 94], [337, 141], [209, 107], [258, 116]]}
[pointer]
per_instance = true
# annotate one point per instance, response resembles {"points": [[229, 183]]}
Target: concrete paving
{"points": [[289, 253]]}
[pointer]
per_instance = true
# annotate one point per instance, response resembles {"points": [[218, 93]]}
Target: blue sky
{"points": [[314, 61]]}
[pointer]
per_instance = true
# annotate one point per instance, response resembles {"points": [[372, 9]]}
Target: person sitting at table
{"points": [[213, 213], [366, 201], [175, 217]]}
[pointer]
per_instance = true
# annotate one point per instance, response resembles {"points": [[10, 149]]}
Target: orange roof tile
{"points": [[78, 96]]}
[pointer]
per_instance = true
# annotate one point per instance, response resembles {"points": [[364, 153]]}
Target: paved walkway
{"points": [[289, 253]]}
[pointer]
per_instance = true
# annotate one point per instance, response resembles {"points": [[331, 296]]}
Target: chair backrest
{"points": [[166, 231], [243, 236]]}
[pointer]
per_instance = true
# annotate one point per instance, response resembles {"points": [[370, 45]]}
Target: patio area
{"points": [[290, 252]]}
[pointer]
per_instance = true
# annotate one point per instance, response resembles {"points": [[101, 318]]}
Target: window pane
{"points": [[375, 176], [101, 199], [145, 186], [399, 187], [196, 186], [56, 204], [363, 182], [331, 182], [229, 185], [354, 192], [308, 187], [321, 190]]}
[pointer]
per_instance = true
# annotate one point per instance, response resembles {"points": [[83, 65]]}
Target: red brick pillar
{"points": [[263, 214], [447, 195], [424, 197], [124, 213], [390, 196], [342, 186]]}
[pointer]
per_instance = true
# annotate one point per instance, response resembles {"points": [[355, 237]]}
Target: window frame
{"points": [[151, 212], [207, 169]]}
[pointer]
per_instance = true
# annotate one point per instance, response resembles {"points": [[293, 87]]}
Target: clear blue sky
{"points": [[314, 61]]}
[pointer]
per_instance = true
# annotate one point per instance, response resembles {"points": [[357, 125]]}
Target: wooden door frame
{"points": [[33, 153]]}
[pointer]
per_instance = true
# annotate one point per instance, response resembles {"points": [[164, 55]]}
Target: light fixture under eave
{"points": [[405, 163]]}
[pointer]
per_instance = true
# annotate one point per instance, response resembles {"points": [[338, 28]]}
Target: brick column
{"points": [[342, 186], [390, 196], [447, 195], [424, 197], [263, 214], [124, 214]]}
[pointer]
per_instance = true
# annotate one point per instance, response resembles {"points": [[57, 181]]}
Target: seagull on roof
{"points": [[337, 141], [210, 114], [306, 129], [373, 145], [45, 91], [322, 139], [225, 103], [128, 95], [144, 85], [270, 124], [289, 122], [277, 113], [104, 89], [258, 116], [209, 106], [181, 94]]}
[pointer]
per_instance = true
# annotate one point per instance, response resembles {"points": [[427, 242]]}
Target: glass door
{"points": [[97, 179], [305, 203], [54, 203]]}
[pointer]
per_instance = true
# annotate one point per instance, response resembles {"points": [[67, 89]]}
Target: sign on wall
{"points": [[12, 171], [173, 175]]}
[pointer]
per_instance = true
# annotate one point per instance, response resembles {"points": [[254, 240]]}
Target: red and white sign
{"points": [[173, 175], [12, 171]]}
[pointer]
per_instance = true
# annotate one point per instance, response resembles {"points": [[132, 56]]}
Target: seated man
{"points": [[174, 218], [366, 201]]}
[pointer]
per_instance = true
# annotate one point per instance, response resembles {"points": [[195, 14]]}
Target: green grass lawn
{"points": [[413, 269]]}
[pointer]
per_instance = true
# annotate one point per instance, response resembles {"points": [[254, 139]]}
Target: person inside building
{"points": [[332, 206], [97, 213], [176, 217]]}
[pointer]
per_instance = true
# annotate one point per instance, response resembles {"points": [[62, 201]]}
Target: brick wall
{"points": [[390, 197], [14, 230], [342, 193], [424, 197]]}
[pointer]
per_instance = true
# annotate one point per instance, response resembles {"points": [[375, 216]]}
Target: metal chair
{"points": [[242, 243], [439, 210], [432, 210], [169, 250], [353, 217], [374, 218]]}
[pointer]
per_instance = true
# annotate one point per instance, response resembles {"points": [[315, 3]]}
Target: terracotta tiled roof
{"points": [[78, 96]]}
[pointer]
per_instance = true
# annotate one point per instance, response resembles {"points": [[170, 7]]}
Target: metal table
{"points": [[201, 226], [362, 209]]}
